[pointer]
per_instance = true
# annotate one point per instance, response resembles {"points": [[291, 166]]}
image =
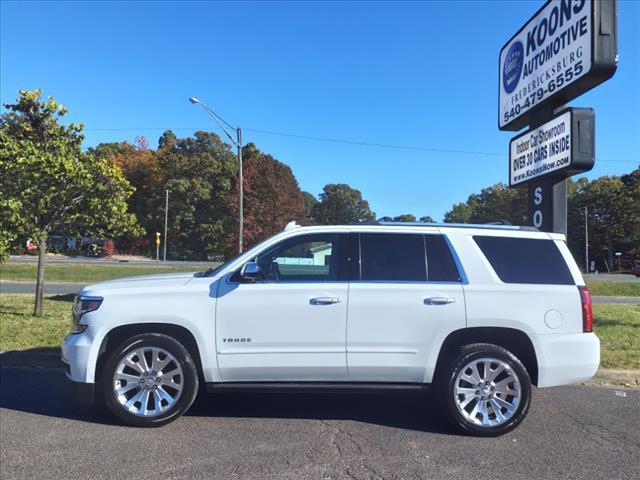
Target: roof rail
{"points": [[488, 226]]}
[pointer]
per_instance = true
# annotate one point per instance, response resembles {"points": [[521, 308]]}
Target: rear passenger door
{"points": [[404, 300]]}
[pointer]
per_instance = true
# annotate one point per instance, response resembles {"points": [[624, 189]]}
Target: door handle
{"points": [[439, 300], [324, 300]]}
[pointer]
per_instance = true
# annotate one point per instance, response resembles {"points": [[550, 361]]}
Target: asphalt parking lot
{"points": [[571, 432]]}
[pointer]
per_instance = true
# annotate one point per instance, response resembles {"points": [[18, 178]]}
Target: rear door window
{"points": [[392, 257], [525, 260], [440, 263]]}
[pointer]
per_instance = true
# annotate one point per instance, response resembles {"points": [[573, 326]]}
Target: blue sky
{"points": [[415, 74]]}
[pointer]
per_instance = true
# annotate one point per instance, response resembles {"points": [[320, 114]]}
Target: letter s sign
{"points": [[537, 195]]}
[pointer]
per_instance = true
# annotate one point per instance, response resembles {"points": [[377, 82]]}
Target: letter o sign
{"points": [[537, 219]]}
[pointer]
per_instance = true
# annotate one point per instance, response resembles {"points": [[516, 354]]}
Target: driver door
{"points": [[290, 324]]}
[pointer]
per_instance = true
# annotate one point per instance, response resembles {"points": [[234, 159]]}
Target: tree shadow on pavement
{"points": [[47, 391], [44, 391]]}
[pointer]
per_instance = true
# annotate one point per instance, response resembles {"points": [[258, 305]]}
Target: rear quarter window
{"points": [[525, 260]]}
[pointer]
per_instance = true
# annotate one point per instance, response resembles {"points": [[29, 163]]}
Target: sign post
{"points": [[157, 246], [567, 48]]}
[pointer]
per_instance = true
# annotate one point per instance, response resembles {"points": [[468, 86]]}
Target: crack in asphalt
{"points": [[593, 428], [338, 434]]}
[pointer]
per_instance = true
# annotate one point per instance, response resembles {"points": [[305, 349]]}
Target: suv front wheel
{"points": [[484, 390], [149, 380]]}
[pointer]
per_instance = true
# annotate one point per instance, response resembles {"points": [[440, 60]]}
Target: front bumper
{"points": [[567, 358], [74, 356], [76, 351], [84, 392]]}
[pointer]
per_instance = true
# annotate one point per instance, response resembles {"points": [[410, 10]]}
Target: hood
{"points": [[166, 280]]}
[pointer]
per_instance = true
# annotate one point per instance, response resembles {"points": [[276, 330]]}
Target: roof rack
{"points": [[488, 226]]}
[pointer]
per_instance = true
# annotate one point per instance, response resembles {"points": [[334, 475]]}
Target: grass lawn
{"points": [[607, 288], [618, 327], [20, 330], [89, 272]]}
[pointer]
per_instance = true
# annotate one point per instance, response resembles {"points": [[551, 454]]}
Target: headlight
{"points": [[83, 304]]}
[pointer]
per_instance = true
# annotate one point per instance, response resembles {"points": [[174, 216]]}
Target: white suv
{"points": [[481, 312]]}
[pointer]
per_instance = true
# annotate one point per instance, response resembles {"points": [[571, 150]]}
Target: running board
{"points": [[310, 387]]}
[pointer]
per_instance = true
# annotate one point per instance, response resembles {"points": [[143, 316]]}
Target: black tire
{"points": [[446, 383], [189, 380]]}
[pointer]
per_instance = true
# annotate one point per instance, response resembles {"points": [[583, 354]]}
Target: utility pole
{"points": [[586, 242], [166, 217], [241, 189]]}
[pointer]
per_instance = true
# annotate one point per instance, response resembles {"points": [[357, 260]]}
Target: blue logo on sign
{"points": [[512, 69]]}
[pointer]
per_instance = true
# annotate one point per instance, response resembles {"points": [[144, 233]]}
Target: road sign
{"points": [[563, 146], [565, 49]]}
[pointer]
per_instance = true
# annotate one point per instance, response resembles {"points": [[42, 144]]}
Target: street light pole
{"points": [[166, 217], [240, 190], [238, 143]]}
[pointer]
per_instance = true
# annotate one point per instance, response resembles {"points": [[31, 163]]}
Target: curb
{"points": [[613, 377], [37, 358]]}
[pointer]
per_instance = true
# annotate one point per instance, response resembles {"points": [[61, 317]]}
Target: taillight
{"points": [[587, 311]]}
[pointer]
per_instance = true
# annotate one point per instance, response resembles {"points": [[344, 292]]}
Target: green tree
{"points": [[9, 224], [492, 204], [427, 219], [50, 184], [139, 165], [341, 204], [405, 217], [200, 172], [309, 202], [612, 204]]}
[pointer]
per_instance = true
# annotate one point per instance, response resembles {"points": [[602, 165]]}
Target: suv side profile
{"points": [[479, 312]]}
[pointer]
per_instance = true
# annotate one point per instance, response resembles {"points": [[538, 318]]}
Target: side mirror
{"points": [[251, 271]]}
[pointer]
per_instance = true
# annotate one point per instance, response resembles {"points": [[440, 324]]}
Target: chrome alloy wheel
{"points": [[487, 392], [148, 381]]}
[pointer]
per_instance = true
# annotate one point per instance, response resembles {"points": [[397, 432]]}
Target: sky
{"points": [[395, 73]]}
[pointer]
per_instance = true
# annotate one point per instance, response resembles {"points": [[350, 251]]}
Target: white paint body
{"points": [[376, 332]]}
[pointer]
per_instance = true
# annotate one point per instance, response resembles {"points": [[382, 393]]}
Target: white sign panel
{"points": [[550, 53], [541, 151]]}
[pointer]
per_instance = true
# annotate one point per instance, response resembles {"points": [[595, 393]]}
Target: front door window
{"points": [[309, 258]]}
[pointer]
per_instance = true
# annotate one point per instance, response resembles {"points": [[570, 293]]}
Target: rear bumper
{"points": [[567, 358]]}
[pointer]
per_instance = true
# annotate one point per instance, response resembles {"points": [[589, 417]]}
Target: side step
{"points": [[311, 387]]}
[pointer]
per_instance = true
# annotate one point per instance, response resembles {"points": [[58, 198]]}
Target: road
{"points": [[67, 288], [571, 432], [612, 277], [107, 261], [49, 287]]}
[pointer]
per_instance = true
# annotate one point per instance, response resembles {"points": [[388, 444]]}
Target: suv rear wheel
{"points": [[149, 380], [484, 390]]}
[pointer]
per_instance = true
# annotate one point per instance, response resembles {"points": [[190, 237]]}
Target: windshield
{"points": [[209, 272], [213, 270]]}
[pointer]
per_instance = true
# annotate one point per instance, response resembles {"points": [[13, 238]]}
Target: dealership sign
{"points": [[565, 49], [563, 146]]}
